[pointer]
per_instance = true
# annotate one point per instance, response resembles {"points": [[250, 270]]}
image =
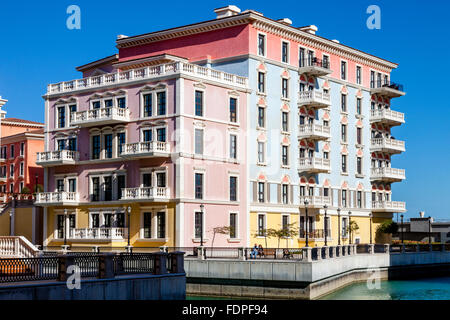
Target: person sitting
{"points": [[261, 251], [286, 254], [254, 252]]}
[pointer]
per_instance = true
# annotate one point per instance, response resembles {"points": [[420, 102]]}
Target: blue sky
{"points": [[36, 48]]}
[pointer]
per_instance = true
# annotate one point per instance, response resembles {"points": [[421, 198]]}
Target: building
{"points": [[312, 131], [423, 228]]}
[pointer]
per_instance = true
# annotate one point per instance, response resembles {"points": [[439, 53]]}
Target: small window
{"points": [[11, 170], [343, 133], [161, 134], [372, 79], [96, 147], [301, 57], [198, 224], [61, 117], [233, 225], [358, 74], [233, 110], [343, 70], [344, 163], [22, 169], [261, 82], [284, 155], [198, 141], [285, 193], [261, 117], [147, 225], [285, 52], [108, 138], [122, 102], [359, 165], [359, 136], [285, 121], [358, 106], [261, 153], [22, 148], [261, 44], [261, 193], [199, 186], [147, 99], [161, 225], [344, 198], [199, 103], [343, 102], [233, 188], [359, 199], [284, 88], [285, 222], [233, 146], [261, 225], [161, 102]]}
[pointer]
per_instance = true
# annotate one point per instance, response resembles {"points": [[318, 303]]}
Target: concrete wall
{"points": [[167, 287]]}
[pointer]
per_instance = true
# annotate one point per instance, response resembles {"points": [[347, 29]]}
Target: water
{"points": [[422, 289]]}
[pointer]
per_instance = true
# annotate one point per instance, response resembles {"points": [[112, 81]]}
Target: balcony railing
{"points": [[387, 145], [313, 131], [315, 201], [146, 193], [314, 234], [314, 98], [100, 116], [98, 233], [387, 116], [314, 66], [388, 174], [388, 206], [151, 148], [58, 198], [150, 72], [314, 165], [389, 89], [57, 157]]}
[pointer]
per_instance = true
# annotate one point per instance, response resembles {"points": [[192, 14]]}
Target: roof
{"points": [[98, 62], [22, 121]]}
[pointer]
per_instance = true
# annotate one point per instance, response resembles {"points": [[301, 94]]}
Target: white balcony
{"points": [[387, 145], [57, 199], [101, 116], [388, 206], [54, 158], [98, 234], [149, 149], [390, 90], [314, 98], [387, 174], [387, 116], [146, 193], [315, 165], [314, 67], [313, 131], [147, 73], [315, 201]]}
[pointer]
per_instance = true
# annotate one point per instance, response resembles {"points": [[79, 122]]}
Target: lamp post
{"points": [[349, 227], [325, 224], [339, 226], [429, 230], [306, 214], [129, 222], [371, 215], [402, 227], [36, 183], [201, 224], [65, 227]]}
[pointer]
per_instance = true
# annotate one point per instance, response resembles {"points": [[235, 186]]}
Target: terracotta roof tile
{"points": [[21, 121]]}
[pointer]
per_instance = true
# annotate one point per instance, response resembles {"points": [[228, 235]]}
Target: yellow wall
{"points": [[4, 224], [82, 221], [23, 223]]}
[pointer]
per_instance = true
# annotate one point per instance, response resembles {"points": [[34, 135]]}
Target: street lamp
{"points": [[325, 224], [201, 224], [371, 216], [349, 227], [306, 213], [65, 227], [339, 226], [401, 216], [429, 230], [129, 223]]}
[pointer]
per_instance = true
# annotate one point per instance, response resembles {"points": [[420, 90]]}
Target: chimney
{"points": [[285, 21], [310, 29], [227, 11], [422, 214]]}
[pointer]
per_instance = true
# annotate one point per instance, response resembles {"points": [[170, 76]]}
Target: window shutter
{"points": [[279, 199], [291, 194], [255, 199], [268, 192], [321, 192], [364, 196], [339, 197]]}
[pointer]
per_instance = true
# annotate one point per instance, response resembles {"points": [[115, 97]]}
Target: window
{"points": [[233, 188], [21, 172], [107, 183], [358, 75], [108, 103], [147, 135], [147, 225], [161, 225], [301, 57], [343, 133], [284, 88], [11, 188], [326, 62], [285, 52], [11, 170], [96, 105], [60, 185], [72, 144], [285, 193], [310, 57], [233, 146], [72, 110], [72, 183], [325, 155], [344, 198], [284, 222], [120, 186], [233, 225], [284, 155], [120, 142], [22, 148], [20, 187], [161, 102], [147, 105], [161, 179], [358, 106], [261, 82], [344, 226], [359, 199], [326, 192], [121, 102], [343, 70], [372, 79], [198, 225], [199, 103], [233, 110], [386, 81], [344, 163], [198, 141], [358, 165], [343, 102], [108, 146], [261, 44], [285, 121], [61, 117], [358, 135], [261, 186], [261, 117], [199, 186], [3, 153], [95, 147], [261, 225], [261, 153], [12, 153], [161, 134], [95, 189]]}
